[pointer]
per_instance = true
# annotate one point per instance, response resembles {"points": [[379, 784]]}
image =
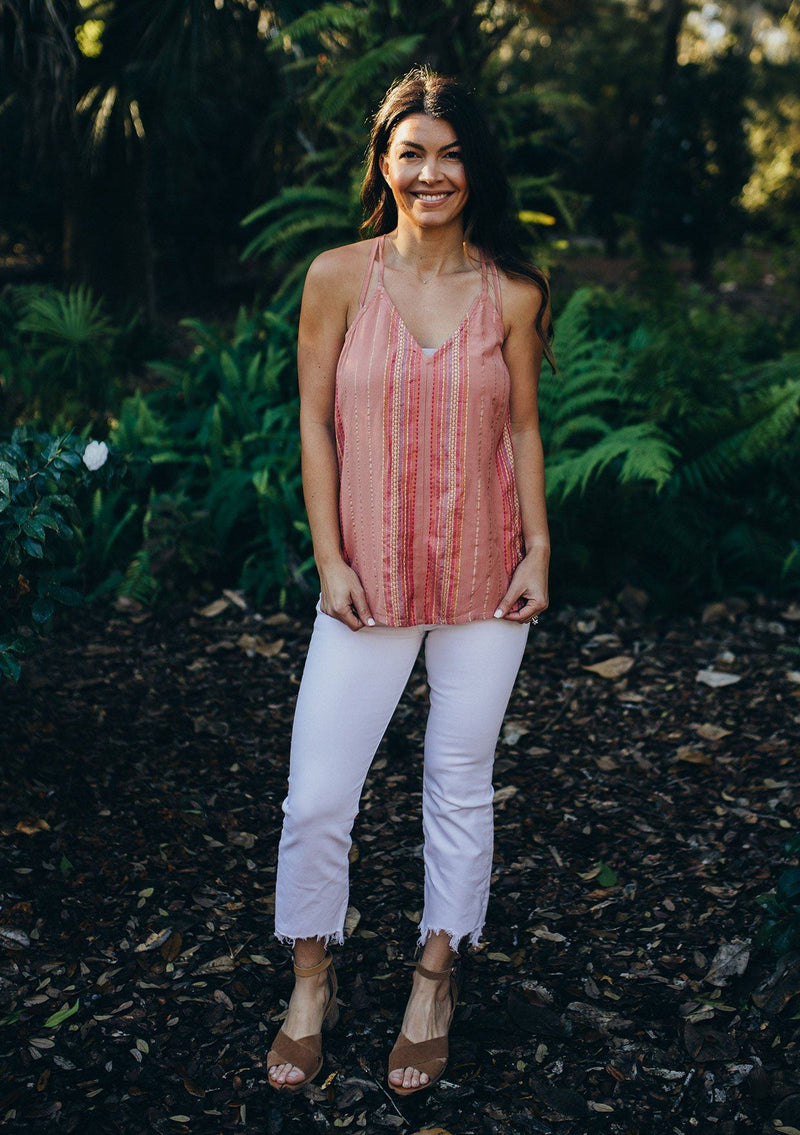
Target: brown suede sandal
{"points": [[428, 1056], [305, 1052]]}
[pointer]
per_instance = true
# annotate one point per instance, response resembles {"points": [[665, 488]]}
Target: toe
{"points": [[295, 1075], [280, 1072]]}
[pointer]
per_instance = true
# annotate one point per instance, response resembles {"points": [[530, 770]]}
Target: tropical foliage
{"points": [[41, 480], [671, 453]]}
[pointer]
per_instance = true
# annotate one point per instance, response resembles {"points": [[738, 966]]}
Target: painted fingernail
{"points": [[370, 622], [498, 614]]}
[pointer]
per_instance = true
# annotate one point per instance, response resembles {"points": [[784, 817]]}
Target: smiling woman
{"points": [[423, 167], [423, 477]]}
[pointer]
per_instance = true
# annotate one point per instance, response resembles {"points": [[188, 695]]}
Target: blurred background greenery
{"points": [[170, 169]]}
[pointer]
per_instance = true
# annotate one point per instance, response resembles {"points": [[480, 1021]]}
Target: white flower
{"points": [[95, 455]]}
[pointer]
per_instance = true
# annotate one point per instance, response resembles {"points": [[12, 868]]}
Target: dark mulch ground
{"points": [[638, 817]]}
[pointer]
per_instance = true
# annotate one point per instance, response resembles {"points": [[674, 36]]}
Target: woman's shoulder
{"points": [[337, 265], [522, 298]]}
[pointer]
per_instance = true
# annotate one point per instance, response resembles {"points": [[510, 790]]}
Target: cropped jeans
{"points": [[351, 684]]}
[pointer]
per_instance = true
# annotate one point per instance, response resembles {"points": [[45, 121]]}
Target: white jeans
{"points": [[351, 684]]}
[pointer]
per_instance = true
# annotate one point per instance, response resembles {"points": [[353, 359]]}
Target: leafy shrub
{"points": [[222, 437], [671, 451], [62, 356], [41, 480], [780, 930]]}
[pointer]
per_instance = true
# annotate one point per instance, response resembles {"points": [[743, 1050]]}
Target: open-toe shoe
{"points": [[428, 1056], [305, 1052]]}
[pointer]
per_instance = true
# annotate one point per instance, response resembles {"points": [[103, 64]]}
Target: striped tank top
{"points": [[428, 505]]}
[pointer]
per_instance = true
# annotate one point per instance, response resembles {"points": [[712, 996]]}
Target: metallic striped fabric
{"points": [[428, 505]]}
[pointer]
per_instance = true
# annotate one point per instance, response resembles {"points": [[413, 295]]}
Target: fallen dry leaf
{"points": [[254, 644], [31, 827], [711, 732], [612, 667], [211, 610], [716, 678]]}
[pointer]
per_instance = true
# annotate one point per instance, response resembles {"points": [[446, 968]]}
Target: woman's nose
{"points": [[430, 170]]}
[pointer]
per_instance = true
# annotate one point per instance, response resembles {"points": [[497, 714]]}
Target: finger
{"points": [[508, 601], [362, 607], [525, 613], [346, 615]]}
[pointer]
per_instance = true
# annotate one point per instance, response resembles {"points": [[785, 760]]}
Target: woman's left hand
{"points": [[528, 584]]}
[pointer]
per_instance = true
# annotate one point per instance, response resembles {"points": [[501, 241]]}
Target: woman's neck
{"points": [[429, 251]]}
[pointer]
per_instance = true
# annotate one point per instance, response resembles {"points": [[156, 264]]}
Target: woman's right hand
{"points": [[343, 596]]}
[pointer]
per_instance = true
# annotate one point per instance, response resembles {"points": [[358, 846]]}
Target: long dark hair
{"points": [[489, 214]]}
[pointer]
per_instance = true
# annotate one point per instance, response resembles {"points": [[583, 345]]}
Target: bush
{"points": [[222, 437], [41, 480], [63, 359], [671, 450]]}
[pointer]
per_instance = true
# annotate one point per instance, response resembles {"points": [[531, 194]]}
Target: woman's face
{"points": [[424, 170]]}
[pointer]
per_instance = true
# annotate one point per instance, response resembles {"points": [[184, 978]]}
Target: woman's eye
{"points": [[413, 154]]}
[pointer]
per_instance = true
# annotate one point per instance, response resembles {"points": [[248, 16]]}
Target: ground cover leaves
{"points": [[639, 811]]}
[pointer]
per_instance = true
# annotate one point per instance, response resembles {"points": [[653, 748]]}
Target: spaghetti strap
{"points": [[484, 280], [377, 244], [498, 295], [381, 242]]}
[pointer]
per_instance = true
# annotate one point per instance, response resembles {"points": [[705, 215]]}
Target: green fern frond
{"points": [[767, 419], [379, 62], [139, 582], [649, 455], [326, 18], [589, 376], [582, 424], [772, 371], [304, 196], [576, 403], [283, 237], [645, 453]]}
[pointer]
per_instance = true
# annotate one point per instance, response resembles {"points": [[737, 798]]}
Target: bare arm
{"points": [[523, 354], [321, 332]]}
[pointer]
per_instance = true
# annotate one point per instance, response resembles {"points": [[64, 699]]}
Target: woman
{"points": [[423, 478]]}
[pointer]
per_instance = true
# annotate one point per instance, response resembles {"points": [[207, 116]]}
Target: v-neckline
{"points": [[412, 337], [382, 287]]}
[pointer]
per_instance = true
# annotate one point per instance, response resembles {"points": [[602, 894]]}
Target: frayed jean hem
{"points": [[336, 936], [455, 935]]}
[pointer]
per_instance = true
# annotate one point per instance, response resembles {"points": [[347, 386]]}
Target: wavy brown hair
{"points": [[489, 214]]}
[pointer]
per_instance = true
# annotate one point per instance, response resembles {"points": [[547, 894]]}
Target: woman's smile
{"points": [[428, 198]]}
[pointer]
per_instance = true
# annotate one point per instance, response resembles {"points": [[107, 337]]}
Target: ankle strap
{"points": [[309, 971], [432, 973]]}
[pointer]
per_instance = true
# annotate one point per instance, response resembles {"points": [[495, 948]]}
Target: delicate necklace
{"points": [[411, 268]]}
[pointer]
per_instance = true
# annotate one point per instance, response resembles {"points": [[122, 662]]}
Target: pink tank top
{"points": [[428, 505]]}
